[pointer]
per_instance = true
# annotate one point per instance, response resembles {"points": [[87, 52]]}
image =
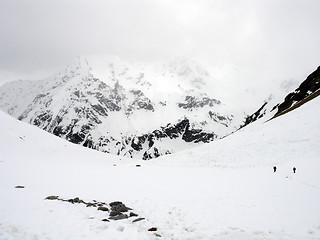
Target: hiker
{"points": [[274, 169], [294, 169]]}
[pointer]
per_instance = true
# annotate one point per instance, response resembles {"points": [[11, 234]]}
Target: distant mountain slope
{"points": [[307, 90], [290, 140], [22, 142], [129, 109]]}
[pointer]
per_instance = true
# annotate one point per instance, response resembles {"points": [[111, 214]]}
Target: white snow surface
{"points": [[221, 191]]}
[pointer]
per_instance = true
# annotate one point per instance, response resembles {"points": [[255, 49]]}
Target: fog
{"points": [[273, 40]]}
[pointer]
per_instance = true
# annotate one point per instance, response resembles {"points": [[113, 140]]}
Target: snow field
{"points": [[221, 191], [183, 203]]}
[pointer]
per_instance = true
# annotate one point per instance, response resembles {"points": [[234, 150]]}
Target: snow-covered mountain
{"points": [[223, 190], [129, 109]]}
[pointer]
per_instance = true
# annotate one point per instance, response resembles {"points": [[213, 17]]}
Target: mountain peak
{"points": [[131, 109]]}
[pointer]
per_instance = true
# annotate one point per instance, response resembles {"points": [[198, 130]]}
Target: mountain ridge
{"points": [[122, 109], [306, 91], [136, 110]]}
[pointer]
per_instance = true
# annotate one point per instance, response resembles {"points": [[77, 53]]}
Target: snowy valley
{"points": [[222, 190]]}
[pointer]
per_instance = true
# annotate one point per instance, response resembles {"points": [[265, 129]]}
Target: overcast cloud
{"points": [[272, 37]]}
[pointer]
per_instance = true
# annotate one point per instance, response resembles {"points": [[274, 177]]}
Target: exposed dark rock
{"points": [[140, 102], [115, 203], [108, 101], [163, 103], [138, 220], [181, 129], [114, 213], [120, 208], [192, 102], [306, 88], [103, 208], [159, 134], [153, 229], [52, 198], [101, 110], [137, 142], [43, 119], [70, 201], [91, 205], [77, 93], [188, 135], [255, 116], [176, 130], [133, 214], [150, 140], [88, 142], [76, 138], [224, 120], [119, 217], [137, 93], [39, 96], [117, 209], [305, 92], [194, 135]]}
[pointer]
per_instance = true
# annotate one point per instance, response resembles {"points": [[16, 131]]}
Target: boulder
{"points": [[153, 229], [115, 203], [119, 217], [113, 213], [133, 214], [138, 220], [103, 208], [91, 205], [52, 198], [120, 208]]}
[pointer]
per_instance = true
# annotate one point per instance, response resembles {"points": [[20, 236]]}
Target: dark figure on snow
{"points": [[274, 169], [294, 169]]}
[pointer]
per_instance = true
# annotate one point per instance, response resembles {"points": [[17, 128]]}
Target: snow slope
{"points": [[223, 190]]}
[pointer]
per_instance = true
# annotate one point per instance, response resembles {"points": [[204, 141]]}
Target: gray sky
{"points": [[270, 38]]}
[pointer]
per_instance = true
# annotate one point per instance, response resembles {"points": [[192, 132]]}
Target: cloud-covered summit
{"points": [[272, 37]]}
